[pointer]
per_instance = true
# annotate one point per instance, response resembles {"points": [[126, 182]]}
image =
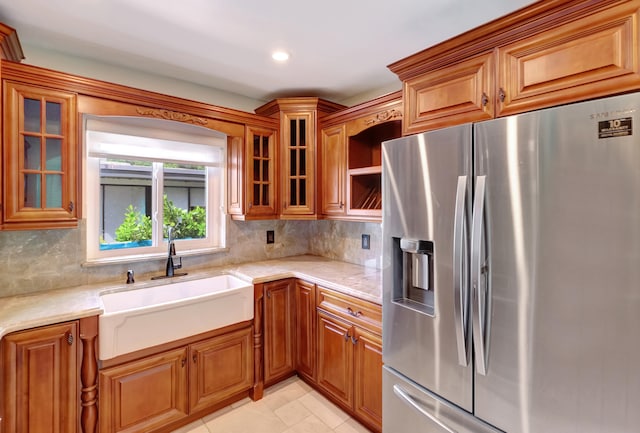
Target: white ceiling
{"points": [[339, 48]]}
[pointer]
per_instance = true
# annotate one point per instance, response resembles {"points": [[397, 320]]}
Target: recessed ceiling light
{"points": [[280, 56]]}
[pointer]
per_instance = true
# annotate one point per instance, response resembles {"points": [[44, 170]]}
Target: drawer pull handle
{"points": [[354, 313], [354, 340], [346, 336]]}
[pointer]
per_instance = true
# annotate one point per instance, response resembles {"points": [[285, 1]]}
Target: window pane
{"points": [[187, 216], [293, 199], [32, 153], [54, 154], [53, 118], [265, 147], [54, 190], [32, 190], [125, 203], [303, 162], [31, 115]]}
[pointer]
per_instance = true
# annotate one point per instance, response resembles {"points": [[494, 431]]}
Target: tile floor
{"points": [[291, 406]]}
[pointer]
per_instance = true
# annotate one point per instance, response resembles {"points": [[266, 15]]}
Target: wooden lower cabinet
{"points": [[40, 392], [367, 393], [279, 344], [147, 394], [305, 329], [220, 367], [335, 357], [350, 367]]}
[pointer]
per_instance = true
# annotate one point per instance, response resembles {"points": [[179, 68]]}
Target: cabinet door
{"points": [[40, 154], [305, 329], [220, 368], [456, 94], [144, 395], [261, 186], [298, 167], [334, 168], [368, 376], [594, 56], [40, 380], [335, 357], [279, 360]]}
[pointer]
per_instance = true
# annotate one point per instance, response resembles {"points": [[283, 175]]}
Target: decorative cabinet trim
{"points": [[171, 115], [384, 116]]}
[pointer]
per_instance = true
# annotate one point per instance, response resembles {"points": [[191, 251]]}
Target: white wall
{"points": [[57, 61]]}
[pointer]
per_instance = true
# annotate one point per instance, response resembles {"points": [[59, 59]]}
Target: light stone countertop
{"points": [[45, 308]]}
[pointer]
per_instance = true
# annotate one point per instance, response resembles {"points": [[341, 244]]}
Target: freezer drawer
{"points": [[407, 407]]}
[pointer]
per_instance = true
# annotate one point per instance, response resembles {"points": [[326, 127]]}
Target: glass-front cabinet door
{"points": [[261, 191], [298, 163], [40, 154]]}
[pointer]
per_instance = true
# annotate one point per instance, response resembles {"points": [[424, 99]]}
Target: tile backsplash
{"points": [[39, 260]]}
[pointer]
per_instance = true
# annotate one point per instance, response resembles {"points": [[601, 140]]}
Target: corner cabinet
{"points": [[298, 147], [547, 54], [40, 154]]}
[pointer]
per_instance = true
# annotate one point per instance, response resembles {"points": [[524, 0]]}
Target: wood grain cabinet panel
{"points": [[334, 170], [40, 156], [306, 329], [459, 93], [144, 395], [220, 368], [40, 380], [335, 357], [367, 399], [279, 346], [594, 56]]}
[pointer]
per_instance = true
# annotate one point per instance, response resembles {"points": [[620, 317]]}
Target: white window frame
{"points": [[137, 138]]}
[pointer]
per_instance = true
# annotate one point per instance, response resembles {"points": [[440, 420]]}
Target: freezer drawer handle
{"points": [[403, 395], [481, 288], [460, 276]]}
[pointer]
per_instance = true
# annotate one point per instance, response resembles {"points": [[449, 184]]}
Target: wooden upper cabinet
{"points": [[40, 380], [41, 157], [547, 54], [594, 56], [251, 174], [459, 93], [334, 170], [298, 147], [351, 157]]}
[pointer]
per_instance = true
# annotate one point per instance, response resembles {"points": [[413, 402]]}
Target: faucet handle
{"points": [[179, 265]]}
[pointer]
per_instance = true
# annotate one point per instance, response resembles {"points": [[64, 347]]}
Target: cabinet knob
{"points": [[502, 95], [346, 336], [485, 99], [71, 206], [354, 340], [69, 338], [195, 358], [341, 205], [184, 362]]}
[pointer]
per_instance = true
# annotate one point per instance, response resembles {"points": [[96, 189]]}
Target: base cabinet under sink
{"points": [[149, 393]]}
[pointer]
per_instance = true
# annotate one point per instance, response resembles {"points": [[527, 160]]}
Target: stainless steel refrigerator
{"points": [[511, 274]]}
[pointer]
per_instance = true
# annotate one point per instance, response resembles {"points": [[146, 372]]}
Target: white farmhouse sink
{"points": [[145, 317]]}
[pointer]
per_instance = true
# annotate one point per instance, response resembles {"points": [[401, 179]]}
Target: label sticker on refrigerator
{"points": [[615, 128]]}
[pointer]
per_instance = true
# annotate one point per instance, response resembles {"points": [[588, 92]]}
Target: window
{"points": [[145, 175]]}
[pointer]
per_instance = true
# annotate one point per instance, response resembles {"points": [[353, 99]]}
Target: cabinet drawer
{"points": [[357, 311]]}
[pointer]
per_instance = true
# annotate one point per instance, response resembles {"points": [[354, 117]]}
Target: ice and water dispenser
{"points": [[413, 274]]}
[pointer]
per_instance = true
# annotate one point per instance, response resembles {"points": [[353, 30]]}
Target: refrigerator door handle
{"points": [[478, 270], [404, 396], [460, 277]]}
